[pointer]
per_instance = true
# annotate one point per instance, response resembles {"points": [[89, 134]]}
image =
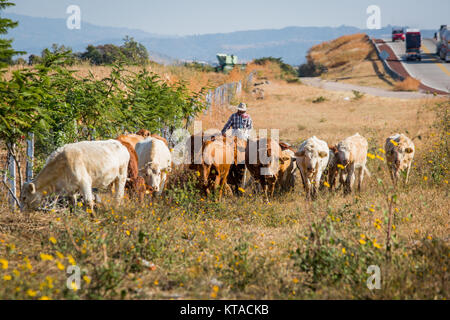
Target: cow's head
{"points": [[311, 157], [343, 155], [30, 199], [152, 175], [144, 132], [401, 156], [285, 161]]}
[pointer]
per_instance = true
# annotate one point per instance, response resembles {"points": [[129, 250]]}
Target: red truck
{"points": [[413, 44], [398, 34]]}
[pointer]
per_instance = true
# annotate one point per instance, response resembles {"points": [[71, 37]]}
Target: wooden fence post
{"points": [[30, 157], [12, 179]]}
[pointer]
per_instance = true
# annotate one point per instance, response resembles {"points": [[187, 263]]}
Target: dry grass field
{"points": [[186, 246]]}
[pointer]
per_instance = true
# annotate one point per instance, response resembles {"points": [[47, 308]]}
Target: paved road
{"points": [[339, 86], [431, 71]]}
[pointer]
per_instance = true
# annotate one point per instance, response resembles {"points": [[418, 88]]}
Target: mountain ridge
{"points": [[290, 43]]}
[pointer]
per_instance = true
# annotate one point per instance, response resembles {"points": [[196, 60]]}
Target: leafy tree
{"points": [[6, 50], [134, 52], [131, 52], [287, 69]]}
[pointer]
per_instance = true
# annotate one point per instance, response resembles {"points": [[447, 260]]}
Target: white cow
{"points": [[155, 161], [351, 157], [399, 155], [79, 167], [312, 159]]}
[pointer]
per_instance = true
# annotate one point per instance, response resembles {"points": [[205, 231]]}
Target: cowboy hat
{"points": [[242, 107]]}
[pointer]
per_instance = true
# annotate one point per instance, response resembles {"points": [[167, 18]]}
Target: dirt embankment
{"points": [[349, 59]]}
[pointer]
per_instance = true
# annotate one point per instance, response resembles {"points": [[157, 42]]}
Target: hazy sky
{"points": [[183, 17]]}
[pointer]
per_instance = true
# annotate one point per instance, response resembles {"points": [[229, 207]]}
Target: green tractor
{"points": [[228, 62]]}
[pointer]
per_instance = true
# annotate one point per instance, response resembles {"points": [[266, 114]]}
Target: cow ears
{"points": [[31, 188], [323, 154], [300, 153], [409, 150]]}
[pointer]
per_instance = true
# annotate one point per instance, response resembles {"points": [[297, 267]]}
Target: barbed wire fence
{"points": [[220, 97]]}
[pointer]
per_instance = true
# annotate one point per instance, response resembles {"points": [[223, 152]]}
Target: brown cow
{"points": [[211, 156], [132, 139], [135, 183], [286, 173], [218, 156], [262, 158], [145, 133], [236, 176]]}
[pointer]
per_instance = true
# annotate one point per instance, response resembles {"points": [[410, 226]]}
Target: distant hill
{"points": [[291, 43]]}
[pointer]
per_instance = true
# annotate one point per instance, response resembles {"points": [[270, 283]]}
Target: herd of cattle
{"points": [[141, 163]]}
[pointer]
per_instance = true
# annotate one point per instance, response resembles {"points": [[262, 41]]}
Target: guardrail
{"points": [[394, 75]]}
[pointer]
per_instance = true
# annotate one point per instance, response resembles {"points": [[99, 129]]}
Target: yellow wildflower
{"points": [[380, 158], [59, 255], [52, 240], [73, 286], [381, 150], [4, 264], [213, 295], [425, 178], [59, 265], [44, 298], [295, 280], [87, 279], [31, 293], [71, 260], [156, 282], [216, 289], [344, 251], [7, 277], [362, 241], [46, 257], [376, 245], [340, 166], [371, 156], [326, 184], [241, 190], [394, 142]]}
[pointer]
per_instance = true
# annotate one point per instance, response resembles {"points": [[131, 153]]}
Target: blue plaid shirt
{"points": [[238, 122]]}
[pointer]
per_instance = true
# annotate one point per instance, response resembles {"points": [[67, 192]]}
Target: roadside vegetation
{"points": [[409, 84]]}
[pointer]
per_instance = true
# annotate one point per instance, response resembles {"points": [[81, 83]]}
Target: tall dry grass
{"points": [[186, 246], [409, 84]]}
